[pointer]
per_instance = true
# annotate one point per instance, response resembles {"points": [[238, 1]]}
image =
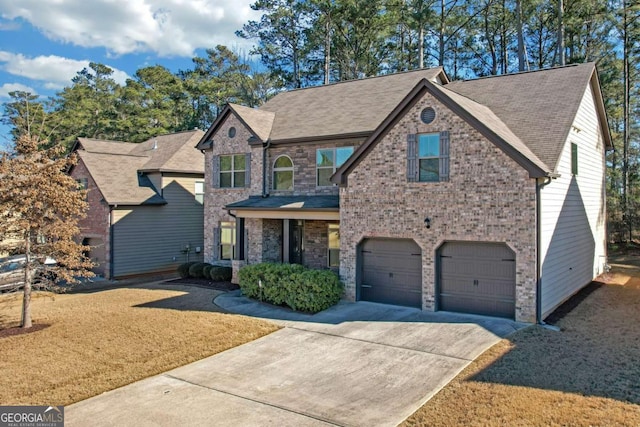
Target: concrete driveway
{"points": [[356, 364]]}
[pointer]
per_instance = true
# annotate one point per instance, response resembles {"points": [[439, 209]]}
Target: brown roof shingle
{"points": [[538, 106], [115, 166], [341, 109]]}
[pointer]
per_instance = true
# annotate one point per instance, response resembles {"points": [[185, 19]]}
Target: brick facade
{"points": [[265, 236], [489, 198], [95, 225]]}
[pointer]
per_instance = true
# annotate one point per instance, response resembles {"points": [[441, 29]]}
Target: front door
{"points": [[296, 241]]}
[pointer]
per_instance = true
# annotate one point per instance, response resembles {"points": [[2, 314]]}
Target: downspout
{"points": [[539, 187], [265, 147], [111, 242]]}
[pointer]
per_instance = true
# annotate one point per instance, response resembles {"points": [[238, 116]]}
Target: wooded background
{"points": [[303, 43]]}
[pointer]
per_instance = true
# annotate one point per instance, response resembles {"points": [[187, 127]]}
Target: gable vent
{"points": [[428, 115]]}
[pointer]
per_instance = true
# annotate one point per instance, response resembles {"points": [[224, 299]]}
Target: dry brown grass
{"points": [[586, 375], [103, 340]]}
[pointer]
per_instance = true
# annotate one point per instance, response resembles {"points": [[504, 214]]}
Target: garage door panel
{"points": [[477, 277], [391, 272]]}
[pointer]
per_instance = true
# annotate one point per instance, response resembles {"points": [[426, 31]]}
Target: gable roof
{"points": [[538, 106], [477, 115], [117, 178], [173, 152], [118, 167], [351, 108]]}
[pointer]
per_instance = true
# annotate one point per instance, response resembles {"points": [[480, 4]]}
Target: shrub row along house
{"points": [[145, 203], [483, 196]]}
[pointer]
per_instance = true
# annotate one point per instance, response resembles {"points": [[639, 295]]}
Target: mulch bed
{"points": [[220, 286]]}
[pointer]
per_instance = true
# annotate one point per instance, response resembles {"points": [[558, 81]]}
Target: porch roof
{"points": [[292, 207]]}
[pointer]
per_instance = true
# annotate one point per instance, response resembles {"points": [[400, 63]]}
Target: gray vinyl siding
{"points": [[573, 242], [152, 238]]}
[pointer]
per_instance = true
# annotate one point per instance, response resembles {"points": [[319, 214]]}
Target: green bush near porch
{"points": [[293, 285]]}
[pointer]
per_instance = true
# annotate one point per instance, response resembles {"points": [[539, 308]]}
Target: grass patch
{"points": [[103, 340], [585, 375]]}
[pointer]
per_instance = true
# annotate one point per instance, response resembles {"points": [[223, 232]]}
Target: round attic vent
{"points": [[427, 115], [232, 132]]}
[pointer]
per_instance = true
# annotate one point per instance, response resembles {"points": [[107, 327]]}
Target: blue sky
{"points": [[44, 43]]}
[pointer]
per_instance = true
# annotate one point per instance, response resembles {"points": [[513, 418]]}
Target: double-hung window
{"points": [[328, 160], [428, 157], [231, 171], [227, 240]]}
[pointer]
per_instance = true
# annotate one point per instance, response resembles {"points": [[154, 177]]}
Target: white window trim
{"points": [[287, 169], [233, 170], [428, 157], [334, 167]]}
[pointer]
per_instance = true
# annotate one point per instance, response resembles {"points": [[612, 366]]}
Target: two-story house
{"points": [[483, 196], [145, 203]]}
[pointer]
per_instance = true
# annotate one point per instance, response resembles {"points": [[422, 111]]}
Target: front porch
{"points": [[288, 229]]}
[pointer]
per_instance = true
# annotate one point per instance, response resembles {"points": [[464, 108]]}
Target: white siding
{"points": [[152, 238], [573, 241]]}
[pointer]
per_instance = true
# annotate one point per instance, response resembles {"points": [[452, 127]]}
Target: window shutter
{"points": [[216, 243], [574, 159], [247, 170], [412, 158], [215, 171], [444, 155]]}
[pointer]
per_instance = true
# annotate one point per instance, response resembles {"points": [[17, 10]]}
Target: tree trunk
{"points": [[327, 49], [625, 121], [441, 33], [561, 58], [421, 47], [26, 299], [521, 55]]}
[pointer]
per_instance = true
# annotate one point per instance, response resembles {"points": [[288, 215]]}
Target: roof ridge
{"points": [[85, 152], [517, 73], [358, 80]]}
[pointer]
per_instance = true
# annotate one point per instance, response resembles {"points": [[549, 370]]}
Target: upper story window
{"points": [[231, 171], [232, 132], [283, 173], [199, 191], [83, 183], [428, 157], [327, 161]]}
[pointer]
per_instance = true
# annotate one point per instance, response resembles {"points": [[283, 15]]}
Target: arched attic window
{"points": [[283, 173]]}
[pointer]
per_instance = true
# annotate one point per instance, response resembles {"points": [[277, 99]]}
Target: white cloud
{"points": [[12, 87], [56, 71], [166, 27]]}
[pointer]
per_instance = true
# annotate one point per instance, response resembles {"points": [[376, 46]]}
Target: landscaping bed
{"points": [[585, 375], [98, 341]]}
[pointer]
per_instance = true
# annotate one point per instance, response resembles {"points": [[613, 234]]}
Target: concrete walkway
{"points": [[356, 364]]}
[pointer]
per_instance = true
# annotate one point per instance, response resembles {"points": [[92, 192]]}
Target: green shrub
{"points": [[195, 270], [292, 285], [220, 273], [183, 269], [206, 271]]}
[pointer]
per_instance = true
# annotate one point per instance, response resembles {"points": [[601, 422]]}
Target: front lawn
{"points": [[103, 340], [586, 375]]}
